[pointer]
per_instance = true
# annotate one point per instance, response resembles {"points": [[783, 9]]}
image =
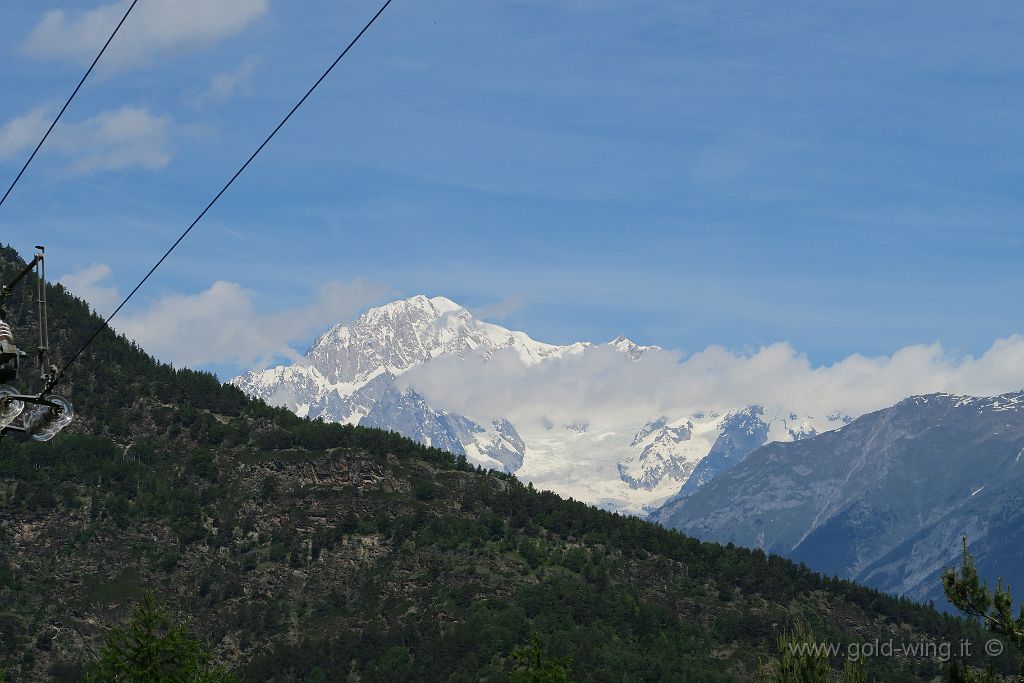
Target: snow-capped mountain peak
{"points": [[348, 374], [353, 373], [685, 454], [630, 348], [399, 335], [665, 453]]}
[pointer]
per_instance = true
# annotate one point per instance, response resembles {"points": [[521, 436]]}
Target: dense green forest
{"points": [[302, 551]]}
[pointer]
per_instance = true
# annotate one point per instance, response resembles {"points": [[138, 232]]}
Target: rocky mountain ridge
{"points": [[883, 500]]}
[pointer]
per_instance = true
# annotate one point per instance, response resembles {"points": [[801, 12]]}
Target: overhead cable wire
{"points": [[68, 102], [106, 322]]}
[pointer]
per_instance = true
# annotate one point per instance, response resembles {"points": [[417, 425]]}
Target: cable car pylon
{"points": [[38, 416]]}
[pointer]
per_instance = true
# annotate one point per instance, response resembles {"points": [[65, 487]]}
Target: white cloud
{"points": [[154, 27], [22, 132], [603, 387], [128, 137], [501, 309], [224, 86], [93, 284], [222, 325]]}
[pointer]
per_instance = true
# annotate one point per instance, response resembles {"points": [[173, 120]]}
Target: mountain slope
{"points": [[883, 500], [406, 412], [693, 451], [310, 551], [350, 375], [387, 339]]}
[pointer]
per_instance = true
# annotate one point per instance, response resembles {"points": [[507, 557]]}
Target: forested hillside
{"points": [[303, 551]]}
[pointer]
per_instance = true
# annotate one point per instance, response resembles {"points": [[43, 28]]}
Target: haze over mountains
{"points": [[384, 370]]}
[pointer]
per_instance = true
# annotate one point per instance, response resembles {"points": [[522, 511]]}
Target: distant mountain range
{"points": [[356, 374], [299, 551], [883, 500]]}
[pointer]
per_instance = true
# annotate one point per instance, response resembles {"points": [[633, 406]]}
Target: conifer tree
{"points": [[994, 609], [531, 664], [803, 659], [150, 648]]}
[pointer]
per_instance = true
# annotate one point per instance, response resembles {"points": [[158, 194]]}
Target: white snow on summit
{"points": [[359, 373], [394, 337], [348, 375]]}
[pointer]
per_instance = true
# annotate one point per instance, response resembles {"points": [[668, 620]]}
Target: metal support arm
{"points": [[6, 290]]}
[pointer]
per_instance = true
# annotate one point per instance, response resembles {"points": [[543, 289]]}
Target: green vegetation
{"points": [[959, 673], [803, 659], [304, 551], [994, 609], [153, 649], [531, 664], [800, 660]]}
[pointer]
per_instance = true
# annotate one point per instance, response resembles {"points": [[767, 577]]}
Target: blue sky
{"points": [[842, 177]]}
